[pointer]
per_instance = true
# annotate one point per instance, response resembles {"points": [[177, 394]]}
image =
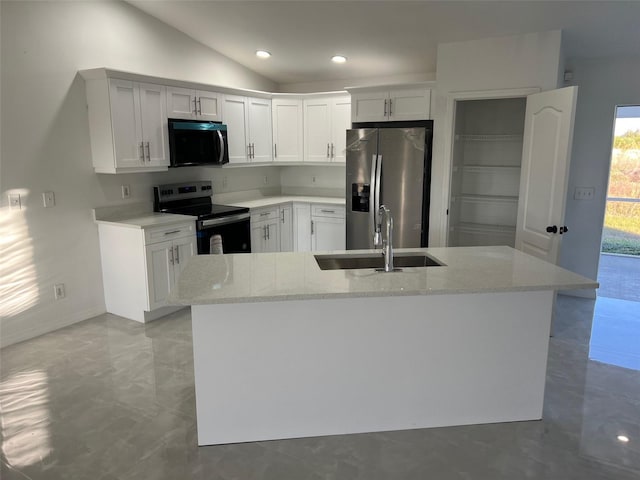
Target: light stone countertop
{"points": [[148, 220], [280, 199], [264, 277]]}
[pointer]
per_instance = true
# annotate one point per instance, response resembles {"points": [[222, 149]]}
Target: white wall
{"points": [[603, 84], [336, 85], [516, 62], [45, 146]]}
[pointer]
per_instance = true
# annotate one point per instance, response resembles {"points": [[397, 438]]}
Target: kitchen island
{"points": [[283, 349]]}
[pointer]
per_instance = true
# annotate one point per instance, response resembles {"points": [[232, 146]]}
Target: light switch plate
{"points": [[584, 193], [126, 191], [14, 201], [48, 199]]}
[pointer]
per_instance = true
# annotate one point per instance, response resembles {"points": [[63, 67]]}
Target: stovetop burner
{"points": [[193, 198], [206, 211]]}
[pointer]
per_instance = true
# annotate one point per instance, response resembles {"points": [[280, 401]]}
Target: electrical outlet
{"points": [[14, 201], [48, 199], [224, 182], [266, 179], [58, 291], [313, 179], [584, 193], [126, 191]]}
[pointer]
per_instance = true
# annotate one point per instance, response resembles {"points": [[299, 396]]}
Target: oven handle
{"points": [[214, 222]]}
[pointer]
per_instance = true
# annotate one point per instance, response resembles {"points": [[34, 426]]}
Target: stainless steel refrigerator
{"points": [[390, 166]]}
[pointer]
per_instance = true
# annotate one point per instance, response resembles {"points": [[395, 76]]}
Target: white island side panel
{"points": [[275, 370]]}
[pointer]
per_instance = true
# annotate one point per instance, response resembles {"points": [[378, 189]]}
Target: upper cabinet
{"points": [[287, 130], [326, 120], [127, 125], [194, 104], [390, 104], [249, 128]]}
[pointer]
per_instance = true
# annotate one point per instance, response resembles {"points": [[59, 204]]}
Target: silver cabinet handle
{"points": [[275, 150], [385, 109], [264, 233], [390, 110], [253, 150], [177, 255], [200, 106], [333, 155], [142, 151], [148, 151], [195, 106], [328, 151], [265, 214], [248, 150], [171, 260], [282, 212], [172, 232], [328, 211], [268, 233], [311, 227]]}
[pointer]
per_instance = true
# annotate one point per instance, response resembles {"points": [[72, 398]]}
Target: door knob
{"points": [[563, 229], [552, 229]]}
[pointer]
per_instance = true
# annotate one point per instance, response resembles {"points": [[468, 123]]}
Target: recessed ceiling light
{"points": [[623, 438], [262, 54], [338, 59]]}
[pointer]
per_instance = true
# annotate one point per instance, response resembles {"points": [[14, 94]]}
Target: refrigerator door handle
{"points": [[372, 196], [377, 201]]}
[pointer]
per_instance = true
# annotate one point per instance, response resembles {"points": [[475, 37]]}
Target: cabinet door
{"points": [[340, 123], [180, 103], [317, 130], [125, 119], [184, 249], [258, 237], [287, 130], [153, 104], [260, 136], [160, 273], [409, 104], [286, 229], [272, 243], [370, 106], [301, 227], [209, 105], [327, 233], [235, 117]]}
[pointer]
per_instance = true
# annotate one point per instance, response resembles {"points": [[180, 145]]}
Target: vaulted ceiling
{"points": [[386, 38]]}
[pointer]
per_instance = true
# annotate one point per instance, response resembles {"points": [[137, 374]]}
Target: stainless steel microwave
{"points": [[196, 142]]}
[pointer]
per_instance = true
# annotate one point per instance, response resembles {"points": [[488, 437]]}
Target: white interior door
{"points": [[546, 152]]}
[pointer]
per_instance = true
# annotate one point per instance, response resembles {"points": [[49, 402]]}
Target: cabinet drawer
{"points": [[261, 215], [319, 210], [169, 232]]}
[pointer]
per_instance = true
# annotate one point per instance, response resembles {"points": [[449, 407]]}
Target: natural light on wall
{"points": [[24, 401], [18, 284]]}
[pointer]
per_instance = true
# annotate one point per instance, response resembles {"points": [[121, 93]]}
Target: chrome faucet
{"points": [[387, 245]]}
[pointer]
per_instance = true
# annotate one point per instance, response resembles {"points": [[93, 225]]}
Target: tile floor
{"points": [[112, 399]]}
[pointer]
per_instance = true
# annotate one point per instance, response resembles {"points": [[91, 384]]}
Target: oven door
{"points": [[235, 231]]}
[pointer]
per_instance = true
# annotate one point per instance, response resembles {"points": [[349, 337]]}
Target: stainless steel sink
{"points": [[348, 261]]}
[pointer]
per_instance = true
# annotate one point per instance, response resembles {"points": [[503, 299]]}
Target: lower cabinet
{"points": [[165, 261], [141, 265], [327, 227], [265, 230], [298, 227]]}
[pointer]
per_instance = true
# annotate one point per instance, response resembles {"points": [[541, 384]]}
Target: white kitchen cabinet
{"points": [[327, 227], [249, 132], [141, 265], [265, 230], [391, 104], [194, 104], [127, 126], [326, 120], [301, 227], [285, 230], [287, 130]]}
